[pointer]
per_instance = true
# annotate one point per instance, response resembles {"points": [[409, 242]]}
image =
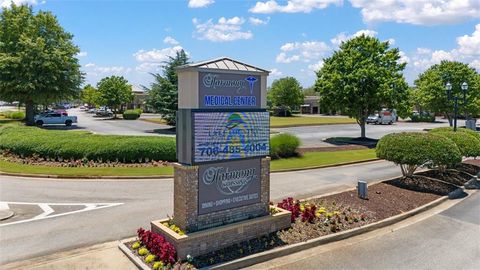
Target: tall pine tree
{"points": [[163, 92]]}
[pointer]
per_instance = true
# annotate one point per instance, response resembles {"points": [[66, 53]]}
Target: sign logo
{"points": [[234, 120], [212, 81], [251, 82], [229, 182]]}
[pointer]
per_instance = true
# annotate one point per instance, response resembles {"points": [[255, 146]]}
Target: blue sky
{"points": [[132, 38]]}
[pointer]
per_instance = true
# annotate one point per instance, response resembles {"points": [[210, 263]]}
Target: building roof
{"points": [[223, 63]]}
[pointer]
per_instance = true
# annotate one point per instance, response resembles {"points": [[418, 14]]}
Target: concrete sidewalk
{"points": [[105, 256]]}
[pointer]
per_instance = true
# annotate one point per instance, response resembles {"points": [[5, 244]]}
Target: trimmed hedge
{"points": [[284, 146], [461, 130], [468, 145], [17, 115], [29, 141], [132, 114], [423, 118], [412, 149]]}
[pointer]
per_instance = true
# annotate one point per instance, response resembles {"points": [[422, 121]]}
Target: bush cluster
{"points": [[468, 145], [460, 130], [423, 118], [61, 145], [412, 149], [284, 146], [17, 115], [158, 246], [132, 114]]}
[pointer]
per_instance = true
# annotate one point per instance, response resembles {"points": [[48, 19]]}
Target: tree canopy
{"points": [[163, 92], [38, 63], [286, 93], [360, 78], [90, 95], [430, 88], [114, 91]]}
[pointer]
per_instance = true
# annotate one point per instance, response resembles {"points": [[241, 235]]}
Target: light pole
{"points": [[448, 90]]}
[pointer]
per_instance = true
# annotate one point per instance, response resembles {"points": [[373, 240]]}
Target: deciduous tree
{"points": [[38, 63], [90, 95], [286, 93], [114, 91], [360, 78], [430, 88]]}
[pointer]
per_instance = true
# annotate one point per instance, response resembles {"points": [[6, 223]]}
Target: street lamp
{"points": [[448, 91]]}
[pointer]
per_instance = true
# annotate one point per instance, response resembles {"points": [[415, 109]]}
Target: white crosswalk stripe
{"points": [[49, 212]]}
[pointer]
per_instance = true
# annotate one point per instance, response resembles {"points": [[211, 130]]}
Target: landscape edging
{"points": [[139, 263], [289, 249]]}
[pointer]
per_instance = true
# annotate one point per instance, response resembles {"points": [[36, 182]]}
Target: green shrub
{"points": [[16, 115], [284, 146], [142, 251], [468, 145], [131, 114], [411, 150], [423, 118], [157, 265], [149, 258], [28, 141], [461, 130], [136, 245]]}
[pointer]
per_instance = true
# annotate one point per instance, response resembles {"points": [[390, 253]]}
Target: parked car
{"points": [[92, 110], [54, 119], [383, 117], [104, 112]]}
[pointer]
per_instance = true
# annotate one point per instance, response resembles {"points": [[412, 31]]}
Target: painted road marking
{"points": [[49, 212]]}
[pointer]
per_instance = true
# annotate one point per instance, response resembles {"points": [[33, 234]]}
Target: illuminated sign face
{"points": [[225, 90], [230, 135], [228, 185]]}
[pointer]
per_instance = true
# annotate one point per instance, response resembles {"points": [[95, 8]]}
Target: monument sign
{"points": [[222, 178]]}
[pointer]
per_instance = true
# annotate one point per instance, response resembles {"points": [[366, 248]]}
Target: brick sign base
{"points": [[213, 239]]}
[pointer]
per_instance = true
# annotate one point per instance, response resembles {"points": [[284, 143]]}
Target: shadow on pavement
{"points": [[366, 142]]}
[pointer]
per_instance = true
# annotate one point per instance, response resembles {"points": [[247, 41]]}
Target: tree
{"points": [[361, 78], [114, 91], [90, 95], [163, 92], [286, 93], [38, 63], [430, 88]]}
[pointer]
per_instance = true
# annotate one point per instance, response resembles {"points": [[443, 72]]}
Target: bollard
{"points": [[362, 190]]}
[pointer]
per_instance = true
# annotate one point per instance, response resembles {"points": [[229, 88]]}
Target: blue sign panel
{"points": [[230, 135]]}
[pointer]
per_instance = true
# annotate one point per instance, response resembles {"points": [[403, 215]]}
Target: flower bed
{"points": [[331, 214]]}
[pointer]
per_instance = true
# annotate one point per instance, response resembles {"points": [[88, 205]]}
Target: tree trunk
{"points": [[361, 123], [450, 120], [29, 113]]}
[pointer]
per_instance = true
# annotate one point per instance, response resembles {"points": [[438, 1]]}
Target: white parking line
{"points": [[48, 211], [4, 206]]}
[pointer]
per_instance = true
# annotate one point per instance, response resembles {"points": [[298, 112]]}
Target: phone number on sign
{"points": [[249, 148]]}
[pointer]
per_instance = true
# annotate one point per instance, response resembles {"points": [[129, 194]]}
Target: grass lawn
{"points": [[309, 160], [318, 159], [296, 121], [12, 167]]}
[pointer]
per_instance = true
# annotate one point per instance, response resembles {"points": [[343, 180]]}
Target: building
{"points": [[139, 99], [311, 105]]}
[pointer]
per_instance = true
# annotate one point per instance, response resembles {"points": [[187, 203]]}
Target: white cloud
{"points": [[292, 6], [403, 57], [156, 55], [222, 31], [315, 67], [470, 44], [419, 12], [93, 70], [171, 41], [257, 21], [342, 37], [8, 3], [82, 54], [90, 65], [305, 51], [199, 3], [274, 72]]}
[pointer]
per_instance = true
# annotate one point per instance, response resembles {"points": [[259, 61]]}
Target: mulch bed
{"points": [[302, 150], [455, 177]]}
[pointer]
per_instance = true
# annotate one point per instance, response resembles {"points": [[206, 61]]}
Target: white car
{"points": [[54, 119]]}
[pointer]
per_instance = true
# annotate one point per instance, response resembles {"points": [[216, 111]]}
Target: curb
{"points": [[54, 176], [287, 250], [6, 214], [133, 258]]}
